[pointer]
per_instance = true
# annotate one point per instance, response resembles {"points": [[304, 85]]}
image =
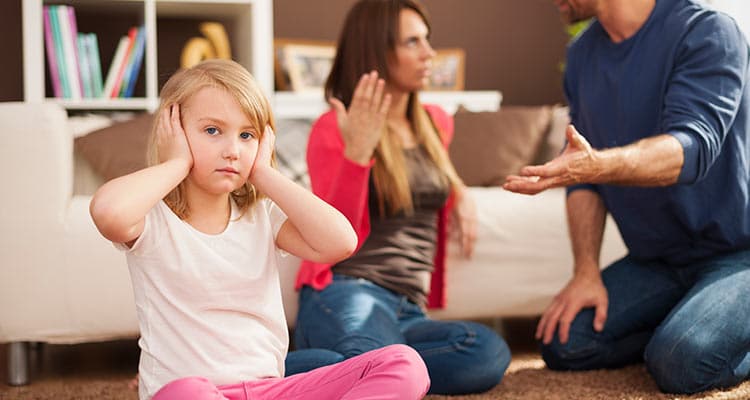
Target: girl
{"points": [[202, 228], [379, 157]]}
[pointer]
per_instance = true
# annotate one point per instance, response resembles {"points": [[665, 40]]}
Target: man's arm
{"points": [[586, 217], [653, 161]]}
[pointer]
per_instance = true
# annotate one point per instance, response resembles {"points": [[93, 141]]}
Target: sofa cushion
{"points": [[488, 146], [291, 148], [554, 140], [118, 149]]}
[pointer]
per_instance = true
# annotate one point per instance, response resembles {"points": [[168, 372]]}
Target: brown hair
{"points": [[237, 81], [367, 42]]}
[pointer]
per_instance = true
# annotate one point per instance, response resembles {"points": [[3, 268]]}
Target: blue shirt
{"points": [[684, 73]]}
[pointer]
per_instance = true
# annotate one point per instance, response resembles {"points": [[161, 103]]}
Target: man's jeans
{"points": [[691, 324], [352, 316]]}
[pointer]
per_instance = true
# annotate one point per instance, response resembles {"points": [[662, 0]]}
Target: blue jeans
{"points": [[690, 324], [352, 316]]}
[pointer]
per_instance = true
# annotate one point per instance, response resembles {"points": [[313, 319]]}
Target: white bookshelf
{"points": [[250, 36], [309, 105]]}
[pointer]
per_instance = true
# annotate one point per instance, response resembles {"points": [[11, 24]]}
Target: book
{"points": [[73, 25], [135, 67], [92, 50], [59, 53], [83, 66], [69, 52], [114, 67], [49, 44], [132, 35]]}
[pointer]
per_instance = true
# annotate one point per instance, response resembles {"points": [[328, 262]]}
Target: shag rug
{"points": [[102, 371], [526, 379]]}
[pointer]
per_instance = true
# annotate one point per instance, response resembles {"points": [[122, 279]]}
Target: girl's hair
{"points": [[238, 82], [368, 42]]}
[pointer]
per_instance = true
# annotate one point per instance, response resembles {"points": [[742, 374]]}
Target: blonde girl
{"points": [[203, 227]]}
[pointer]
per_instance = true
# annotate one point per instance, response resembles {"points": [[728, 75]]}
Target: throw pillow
{"points": [[554, 141], [488, 146], [118, 149], [291, 149]]}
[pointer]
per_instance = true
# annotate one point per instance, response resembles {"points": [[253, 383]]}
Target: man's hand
{"points": [[581, 292], [362, 124], [576, 164]]}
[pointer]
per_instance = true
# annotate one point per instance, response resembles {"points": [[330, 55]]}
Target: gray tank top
{"points": [[399, 252]]}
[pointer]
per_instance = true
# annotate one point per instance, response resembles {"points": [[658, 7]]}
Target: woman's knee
{"points": [[193, 387], [491, 354]]}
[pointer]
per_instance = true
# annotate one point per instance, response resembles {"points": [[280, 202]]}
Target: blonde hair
{"points": [[237, 81], [390, 174]]}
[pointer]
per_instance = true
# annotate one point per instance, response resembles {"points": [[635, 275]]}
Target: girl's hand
{"points": [[465, 221], [170, 137], [265, 150], [362, 125]]}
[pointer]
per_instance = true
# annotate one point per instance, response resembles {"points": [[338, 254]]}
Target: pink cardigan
{"points": [[345, 185]]}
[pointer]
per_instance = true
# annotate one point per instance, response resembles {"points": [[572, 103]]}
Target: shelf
{"points": [[310, 105], [249, 24], [107, 104]]}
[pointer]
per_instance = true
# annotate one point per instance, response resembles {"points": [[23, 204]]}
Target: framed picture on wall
{"points": [[302, 65], [447, 70]]}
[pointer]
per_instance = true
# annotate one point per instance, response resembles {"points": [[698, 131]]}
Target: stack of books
{"points": [[74, 62]]}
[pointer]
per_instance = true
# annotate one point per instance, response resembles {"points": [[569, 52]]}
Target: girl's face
{"points": [[222, 139], [411, 65]]}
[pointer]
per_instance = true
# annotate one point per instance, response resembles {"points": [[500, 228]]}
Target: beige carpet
{"points": [[102, 371], [526, 379]]}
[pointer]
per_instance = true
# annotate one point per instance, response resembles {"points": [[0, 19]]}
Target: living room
{"points": [[514, 54]]}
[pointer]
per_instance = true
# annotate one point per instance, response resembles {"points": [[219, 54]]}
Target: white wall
{"points": [[738, 9]]}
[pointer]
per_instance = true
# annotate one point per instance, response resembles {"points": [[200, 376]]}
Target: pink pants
{"points": [[391, 372]]}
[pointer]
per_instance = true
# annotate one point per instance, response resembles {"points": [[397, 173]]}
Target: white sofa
{"points": [[61, 282]]}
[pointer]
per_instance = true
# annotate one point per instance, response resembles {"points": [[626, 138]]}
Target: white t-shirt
{"points": [[208, 305]]}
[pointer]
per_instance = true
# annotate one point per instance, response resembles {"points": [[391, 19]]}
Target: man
{"points": [[660, 93]]}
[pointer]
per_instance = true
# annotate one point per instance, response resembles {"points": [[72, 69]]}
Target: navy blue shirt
{"points": [[684, 73]]}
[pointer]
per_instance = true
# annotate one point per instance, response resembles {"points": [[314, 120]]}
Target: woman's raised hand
{"points": [[362, 124], [171, 140]]}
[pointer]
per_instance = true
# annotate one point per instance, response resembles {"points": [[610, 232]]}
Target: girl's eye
{"points": [[246, 135], [212, 131]]}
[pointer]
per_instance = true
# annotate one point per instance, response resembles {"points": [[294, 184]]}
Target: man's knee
{"points": [[580, 352], [681, 365]]}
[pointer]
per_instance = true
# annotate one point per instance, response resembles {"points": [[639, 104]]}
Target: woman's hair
{"points": [[368, 42], [238, 82]]}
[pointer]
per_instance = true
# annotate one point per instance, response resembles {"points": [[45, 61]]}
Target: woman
{"points": [[379, 157]]}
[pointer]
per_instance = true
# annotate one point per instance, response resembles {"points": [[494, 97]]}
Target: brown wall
{"points": [[11, 68], [514, 46]]}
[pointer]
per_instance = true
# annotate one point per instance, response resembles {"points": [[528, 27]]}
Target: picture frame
{"points": [[448, 70], [302, 65]]}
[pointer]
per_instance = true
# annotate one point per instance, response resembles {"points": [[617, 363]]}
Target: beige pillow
{"points": [[488, 146], [118, 149], [554, 140]]}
